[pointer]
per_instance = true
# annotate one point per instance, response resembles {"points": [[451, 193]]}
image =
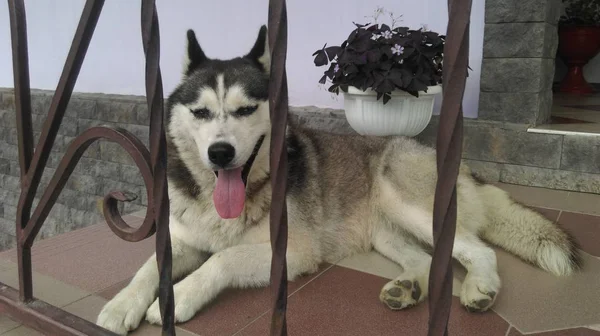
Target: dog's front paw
{"points": [[184, 311], [479, 293], [122, 314]]}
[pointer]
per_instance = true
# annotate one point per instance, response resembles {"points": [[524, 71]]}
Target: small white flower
{"points": [[336, 68], [375, 37], [387, 34], [397, 49]]}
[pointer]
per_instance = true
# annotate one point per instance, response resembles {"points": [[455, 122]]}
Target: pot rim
{"points": [[431, 90]]}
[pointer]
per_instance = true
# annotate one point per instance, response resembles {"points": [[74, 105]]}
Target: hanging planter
{"points": [[389, 77], [404, 114]]}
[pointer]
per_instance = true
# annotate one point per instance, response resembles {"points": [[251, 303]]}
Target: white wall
{"points": [[225, 28]]}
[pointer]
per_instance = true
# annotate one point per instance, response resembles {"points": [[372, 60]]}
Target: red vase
{"points": [[577, 46]]}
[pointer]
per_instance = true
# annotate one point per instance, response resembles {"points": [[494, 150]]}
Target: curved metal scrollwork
{"points": [[141, 157], [152, 165]]}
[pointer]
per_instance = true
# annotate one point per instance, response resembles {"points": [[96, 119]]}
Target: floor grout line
{"points": [[311, 280], [536, 332], [294, 292], [9, 330], [250, 323], [564, 210], [128, 279]]}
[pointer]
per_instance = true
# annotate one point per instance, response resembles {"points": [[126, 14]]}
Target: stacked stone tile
{"points": [[520, 42], [103, 168]]}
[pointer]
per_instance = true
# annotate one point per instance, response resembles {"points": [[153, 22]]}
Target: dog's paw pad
{"points": [[401, 294]]}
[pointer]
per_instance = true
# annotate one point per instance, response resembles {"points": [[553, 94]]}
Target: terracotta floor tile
{"points": [[88, 308], [58, 244], [110, 292], [46, 288], [551, 214], [540, 197], [91, 258], [585, 228], [563, 120], [6, 323], [374, 263], [567, 332], [584, 203], [586, 107], [6, 264], [533, 300], [23, 331], [234, 309], [7, 241], [345, 302]]}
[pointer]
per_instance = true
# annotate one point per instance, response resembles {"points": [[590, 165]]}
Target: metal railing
{"points": [[42, 316]]}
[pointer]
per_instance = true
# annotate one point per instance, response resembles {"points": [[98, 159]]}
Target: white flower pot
{"points": [[404, 114]]}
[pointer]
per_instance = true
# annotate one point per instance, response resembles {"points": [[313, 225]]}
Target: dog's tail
{"points": [[527, 234]]}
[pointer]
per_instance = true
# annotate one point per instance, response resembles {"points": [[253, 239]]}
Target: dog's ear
{"points": [[194, 56], [260, 52]]}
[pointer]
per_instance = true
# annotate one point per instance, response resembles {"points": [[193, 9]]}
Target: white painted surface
{"points": [[566, 129], [225, 28], [402, 115]]}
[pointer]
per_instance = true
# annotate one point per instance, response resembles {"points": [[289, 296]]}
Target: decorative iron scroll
{"points": [[152, 164], [449, 150]]}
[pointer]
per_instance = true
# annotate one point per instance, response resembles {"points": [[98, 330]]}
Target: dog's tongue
{"points": [[230, 193]]}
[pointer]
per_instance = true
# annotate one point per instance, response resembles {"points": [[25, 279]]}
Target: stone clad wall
{"points": [[497, 151], [103, 168], [519, 50]]}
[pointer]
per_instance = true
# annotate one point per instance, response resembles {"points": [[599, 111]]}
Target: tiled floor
{"points": [[573, 114], [79, 271]]}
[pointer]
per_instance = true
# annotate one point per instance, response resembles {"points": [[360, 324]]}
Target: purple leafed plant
{"points": [[384, 59]]}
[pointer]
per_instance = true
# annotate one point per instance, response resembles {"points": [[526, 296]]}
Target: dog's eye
{"points": [[201, 113], [246, 110]]}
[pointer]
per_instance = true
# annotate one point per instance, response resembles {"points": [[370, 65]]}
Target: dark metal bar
{"points": [[81, 41], [158, 150], [24, 123], [278, 105], [20, 58], [449, 150], [152, 165]]}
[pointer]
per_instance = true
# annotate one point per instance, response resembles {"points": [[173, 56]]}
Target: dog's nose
{"points": [[221, 153]]}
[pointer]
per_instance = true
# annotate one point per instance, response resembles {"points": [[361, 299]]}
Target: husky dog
{"points": [[346, 195]]}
